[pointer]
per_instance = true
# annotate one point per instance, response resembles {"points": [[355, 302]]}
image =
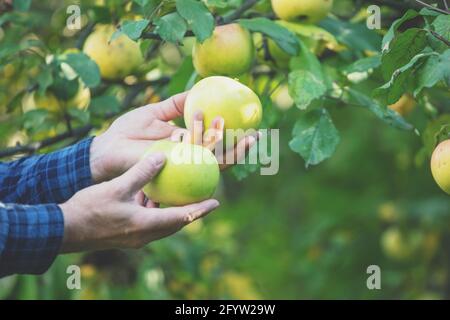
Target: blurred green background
{"points": [[303, 233]]}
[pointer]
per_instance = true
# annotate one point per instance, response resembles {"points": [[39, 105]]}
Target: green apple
{"points": [[228, 52], [281, 98], [440, 165], [221, 96], [308, 11], [117, 58], [190, 174]]}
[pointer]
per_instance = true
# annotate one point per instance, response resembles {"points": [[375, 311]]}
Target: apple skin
{"points": [[116, 59], [221, 96], [405, 105], [307, 11], [440, 165], [183, 179], [228, 52]]}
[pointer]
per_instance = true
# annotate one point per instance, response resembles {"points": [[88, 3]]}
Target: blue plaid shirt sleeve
{"points": [[30, 237], [49, 178]]}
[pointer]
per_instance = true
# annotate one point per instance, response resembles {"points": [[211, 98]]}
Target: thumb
{"points": [[140, 174]]}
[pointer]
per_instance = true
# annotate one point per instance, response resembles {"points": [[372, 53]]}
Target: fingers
{"points": [[132, 181], [180, 135], [178, 217], [240, 150], [171, 108], [197, 128], [214, 134]]}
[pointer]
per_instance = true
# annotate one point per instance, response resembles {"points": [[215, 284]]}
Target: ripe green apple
{"points": [[440, 165], [308, 11], [228, 52], [190, 174], [116, 59], [220, 96]]}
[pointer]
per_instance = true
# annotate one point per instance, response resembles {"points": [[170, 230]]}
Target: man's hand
{"points": [[116, 214], [212, 138], [124, 143]]}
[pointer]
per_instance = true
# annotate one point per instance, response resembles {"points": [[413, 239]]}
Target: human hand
{"points": [[126, 140], [212, 139], [116, 214]]}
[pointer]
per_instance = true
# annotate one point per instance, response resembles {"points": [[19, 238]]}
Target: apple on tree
{"points": [[190, 174], [223, 97], [308, 11], [117, 58], [228, 52], [440, 165]]}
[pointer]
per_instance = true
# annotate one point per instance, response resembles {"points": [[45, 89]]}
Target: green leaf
{"points": [[312, 33], [85, 67], [387, 115], [441, 25], [44, 79], [403, 48], [171, 27], [34, 118], [307, 61], [198, 18], [12, 49], [355, 36], [133, 29], [142, 3], [400, 81], [104, 105], [363, 65], [284, 38], [410, 14], [305, 87], [80, 115], [436, 131], [315, 137], [21, 5], [64, 88], [437, 68], [179, 80], [217, 3]]}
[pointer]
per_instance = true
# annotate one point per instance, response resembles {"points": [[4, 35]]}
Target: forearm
{"points": [[50, 178], [30, 237]]}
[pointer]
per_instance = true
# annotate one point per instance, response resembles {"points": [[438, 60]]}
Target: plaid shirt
{"points": [[31, 224]]}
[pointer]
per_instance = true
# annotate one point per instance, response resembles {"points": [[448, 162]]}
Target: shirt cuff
{"points": [[34, 236], [78, 164]]}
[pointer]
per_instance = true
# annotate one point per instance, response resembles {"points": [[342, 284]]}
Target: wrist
{"points": [[69, 243], [96, 160]]}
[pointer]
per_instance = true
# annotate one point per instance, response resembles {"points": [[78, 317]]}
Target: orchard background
{"points": [[354, 187]]}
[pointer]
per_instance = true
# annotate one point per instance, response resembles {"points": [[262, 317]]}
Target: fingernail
{"points": [[158, 159], [198, 116], [210, 205]]}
